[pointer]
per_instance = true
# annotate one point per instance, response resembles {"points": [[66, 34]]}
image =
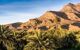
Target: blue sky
{"points": [[22, 10]]}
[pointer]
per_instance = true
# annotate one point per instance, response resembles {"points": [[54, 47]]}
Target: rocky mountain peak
{"points": [[71, 8], [48, 15], [70, 4], [68, 15]]}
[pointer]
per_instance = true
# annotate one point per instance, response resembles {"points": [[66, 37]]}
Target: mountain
{"points": [[68, 18]]}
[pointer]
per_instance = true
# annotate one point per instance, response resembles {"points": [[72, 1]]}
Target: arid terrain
{"points": [[54, 30], [68, 18]]}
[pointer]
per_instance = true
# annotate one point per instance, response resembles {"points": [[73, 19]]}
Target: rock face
{"points": [[72, 11], [71, 8], [68, 18]]}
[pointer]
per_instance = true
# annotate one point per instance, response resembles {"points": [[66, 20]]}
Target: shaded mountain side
{"points": [[14, 25], [68, 18]]}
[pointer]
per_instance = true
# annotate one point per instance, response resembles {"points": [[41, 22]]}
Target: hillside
{"points": [[68, 18]]}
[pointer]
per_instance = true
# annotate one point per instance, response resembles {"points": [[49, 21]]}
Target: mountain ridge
{"points": [[68, 16]]}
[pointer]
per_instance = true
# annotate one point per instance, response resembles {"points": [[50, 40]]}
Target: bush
{"points": [[53, 39]]}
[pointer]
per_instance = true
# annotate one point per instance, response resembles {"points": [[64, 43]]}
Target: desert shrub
{"points": [[5, 36], [53, 39], [11, 40]]}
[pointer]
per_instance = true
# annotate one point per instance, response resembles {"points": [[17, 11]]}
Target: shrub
{"points": [[53, 39]]}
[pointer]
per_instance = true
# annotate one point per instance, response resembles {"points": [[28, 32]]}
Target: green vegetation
{"points": [[53, 39]]}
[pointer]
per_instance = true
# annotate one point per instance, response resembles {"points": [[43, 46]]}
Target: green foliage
{"points": [[53, 39], [5, 35]]}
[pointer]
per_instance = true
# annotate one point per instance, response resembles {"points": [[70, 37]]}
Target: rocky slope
{"points": [[68, 18]]}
